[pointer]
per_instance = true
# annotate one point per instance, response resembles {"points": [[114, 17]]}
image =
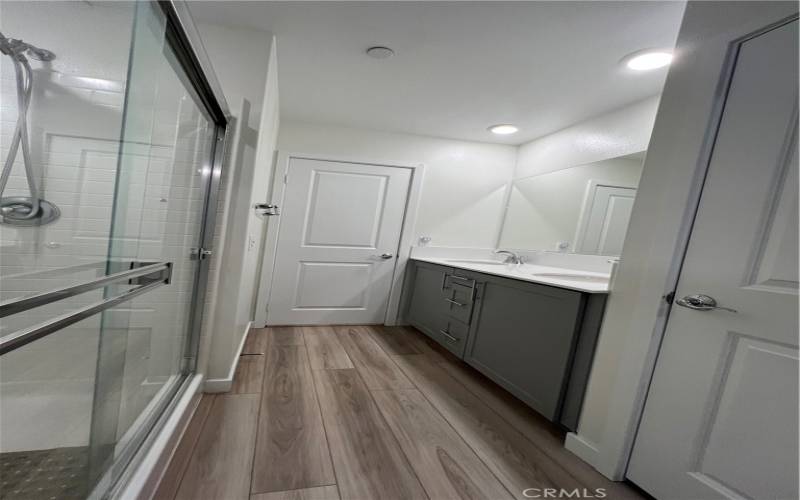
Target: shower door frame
{"points": [[185, 40], [182, 36]]}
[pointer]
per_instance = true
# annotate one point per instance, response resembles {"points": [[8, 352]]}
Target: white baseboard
{"points": [[216, 385], [582, 448], [144, 481]]}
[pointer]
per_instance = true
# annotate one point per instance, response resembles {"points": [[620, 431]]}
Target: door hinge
{"points": [[199, 253], [267, 209], [285, 178]]}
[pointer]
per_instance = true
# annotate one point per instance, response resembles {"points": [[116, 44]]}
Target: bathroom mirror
{"points": [[581, 209]]}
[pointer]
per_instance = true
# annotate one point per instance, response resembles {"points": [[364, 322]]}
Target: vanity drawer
{"points": [[459, 299], [452, 335], [456, 278]]}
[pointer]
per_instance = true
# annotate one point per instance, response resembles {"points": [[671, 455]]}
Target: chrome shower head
{"points": [[17, 49]]}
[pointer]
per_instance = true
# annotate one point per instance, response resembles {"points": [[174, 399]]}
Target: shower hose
{"points": [[21, 210]]}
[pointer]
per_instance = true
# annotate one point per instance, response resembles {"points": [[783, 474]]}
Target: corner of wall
{"points": [[231, 309], [624, 130]]}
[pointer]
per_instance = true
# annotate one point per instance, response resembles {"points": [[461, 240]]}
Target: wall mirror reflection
{"points": [[581, 209]]}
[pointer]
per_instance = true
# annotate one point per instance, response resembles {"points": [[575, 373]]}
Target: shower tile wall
{"points": [[76, 119]]}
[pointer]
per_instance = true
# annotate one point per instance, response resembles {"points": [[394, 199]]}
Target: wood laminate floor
{"points": [[367, 412]]}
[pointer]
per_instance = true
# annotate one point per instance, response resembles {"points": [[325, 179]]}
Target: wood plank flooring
{"points": [[324, 349], [222, 459], [291, 449], [367, 457], [367, 412]]}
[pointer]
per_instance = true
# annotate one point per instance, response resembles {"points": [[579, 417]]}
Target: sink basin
{"points": [[588, 278], [483, 262]]}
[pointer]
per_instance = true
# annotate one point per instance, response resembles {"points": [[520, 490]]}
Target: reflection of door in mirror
{"points": [[581, 208], [604, 218]]}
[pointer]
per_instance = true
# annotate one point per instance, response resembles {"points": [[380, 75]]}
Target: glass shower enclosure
{"points": [[111, 138]]}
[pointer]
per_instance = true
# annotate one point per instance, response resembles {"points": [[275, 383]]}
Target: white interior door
{"points": [[604, 222], [337, 243], [721, 417]]}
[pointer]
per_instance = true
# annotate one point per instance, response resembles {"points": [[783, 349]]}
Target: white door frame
{"points": [[667, 198], [284, 159]]}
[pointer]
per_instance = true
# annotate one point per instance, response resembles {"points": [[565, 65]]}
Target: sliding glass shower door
{"points": [[101, 307], [162, 187]]}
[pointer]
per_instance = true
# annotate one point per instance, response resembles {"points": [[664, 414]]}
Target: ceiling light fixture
{"points": [[647, 60], [379, 52], [504, 129]]}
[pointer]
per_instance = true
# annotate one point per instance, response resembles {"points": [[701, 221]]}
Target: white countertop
{"points": [[571, 279]]}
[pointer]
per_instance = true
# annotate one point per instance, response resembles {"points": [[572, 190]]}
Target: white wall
{"points": [[464, 187], [246, 66], [240, 59], [668, 193], [618, 133]]}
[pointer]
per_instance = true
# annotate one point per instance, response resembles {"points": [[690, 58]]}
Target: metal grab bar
{"points": [[28, 335], [18, 305]]}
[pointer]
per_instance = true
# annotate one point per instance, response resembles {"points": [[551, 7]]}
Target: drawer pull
{"points": [[450, 338], [461, 278], [472, 283], [459, 304]]}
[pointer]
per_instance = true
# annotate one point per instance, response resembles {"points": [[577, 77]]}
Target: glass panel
{"points": [[121, 145], [162, 184], [74, 122]]}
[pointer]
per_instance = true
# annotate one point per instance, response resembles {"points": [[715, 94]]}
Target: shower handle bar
{"points": [[18, 305], [27, 335]]}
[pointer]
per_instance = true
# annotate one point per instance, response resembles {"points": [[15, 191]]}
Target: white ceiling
{"points": [[459, 66]]}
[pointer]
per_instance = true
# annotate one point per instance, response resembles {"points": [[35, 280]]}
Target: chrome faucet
{"points": [[511, 257]]}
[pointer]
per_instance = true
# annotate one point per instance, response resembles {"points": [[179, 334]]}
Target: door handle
{"points": [[700, 302], [386, 256]]}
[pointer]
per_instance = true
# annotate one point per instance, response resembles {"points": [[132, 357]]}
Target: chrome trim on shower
{"points": [[27, 335], [179, 12], [21, 304]]}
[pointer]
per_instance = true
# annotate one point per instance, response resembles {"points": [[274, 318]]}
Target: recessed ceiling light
{"points": [[503, 129], [647, 60], [379, 52]]}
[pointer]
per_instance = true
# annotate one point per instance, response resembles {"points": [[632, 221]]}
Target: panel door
{"points": [[721, 415], [337, 243], [607, 215]]}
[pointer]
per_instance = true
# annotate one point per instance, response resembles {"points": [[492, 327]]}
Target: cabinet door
{"points": [[522, 338], [427, 304]]}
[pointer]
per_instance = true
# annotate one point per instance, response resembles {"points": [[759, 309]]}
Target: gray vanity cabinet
{"points": [[536, 341], [440, 304], [427, 303], [522, 338]]}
